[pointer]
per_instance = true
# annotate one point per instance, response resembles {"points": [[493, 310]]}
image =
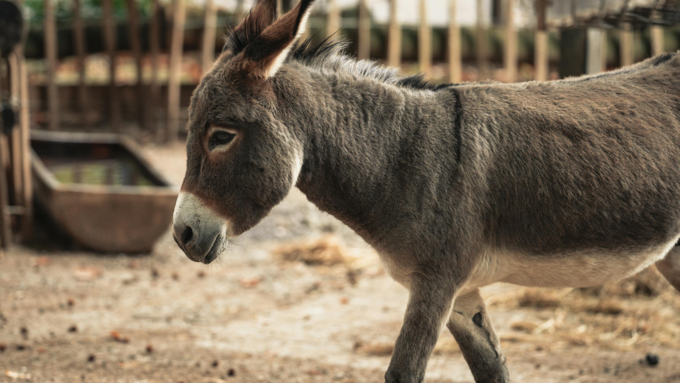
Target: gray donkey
{"points": [[567, 183]]}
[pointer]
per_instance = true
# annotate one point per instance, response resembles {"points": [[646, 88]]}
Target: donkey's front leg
{"points": [[471, 326], [429, 305]]}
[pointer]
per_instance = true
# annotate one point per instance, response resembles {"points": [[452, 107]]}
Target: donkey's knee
{"points": [[669, 267], [471, 326]]}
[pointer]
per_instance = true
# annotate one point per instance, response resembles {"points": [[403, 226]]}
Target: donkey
{"points": [[568, 183]]}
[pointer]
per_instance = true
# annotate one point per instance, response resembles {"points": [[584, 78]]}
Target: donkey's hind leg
{"points": [[670, 267], [471, 326]]}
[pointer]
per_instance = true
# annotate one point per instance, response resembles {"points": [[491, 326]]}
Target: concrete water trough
{"points": [[101, 191]]}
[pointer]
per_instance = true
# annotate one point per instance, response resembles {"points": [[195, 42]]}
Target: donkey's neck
{"points": [[366, 145]]}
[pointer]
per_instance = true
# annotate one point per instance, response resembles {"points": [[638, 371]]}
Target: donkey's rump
{"points": [[583, 164]]}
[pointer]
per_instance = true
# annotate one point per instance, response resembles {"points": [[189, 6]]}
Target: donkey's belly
{"points": [[581, 269]]}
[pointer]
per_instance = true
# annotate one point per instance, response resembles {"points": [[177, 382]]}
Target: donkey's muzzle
{"points": [[199, 232]]}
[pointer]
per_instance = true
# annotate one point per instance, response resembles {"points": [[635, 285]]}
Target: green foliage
{"points": [[34, 10]]}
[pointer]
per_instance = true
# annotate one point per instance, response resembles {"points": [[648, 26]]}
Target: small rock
{"points": [[344, 300], [70, 302], [41, 349], [155, 274], [73, 328], [3, 347], [652, 359], [24, 333], [149, 349], [231, 372], [91, 358], [119, 338], [215, 363]]}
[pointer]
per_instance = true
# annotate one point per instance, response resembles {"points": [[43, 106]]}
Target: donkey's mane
{"points": [[330, 55]]}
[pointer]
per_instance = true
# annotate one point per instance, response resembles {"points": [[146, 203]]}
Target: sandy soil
{"points": [[70, 315]]}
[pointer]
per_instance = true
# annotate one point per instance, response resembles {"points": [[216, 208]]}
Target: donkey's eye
{"points": [[221, 137]]}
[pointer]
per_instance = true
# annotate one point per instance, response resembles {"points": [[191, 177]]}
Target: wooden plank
{"points": [[79, 43], [17, 196], [152, 113], [364, 32], [5, 229], [209, 30], [24, 121], [135, 39], [333, 18], [51, 57], [510, 42], [541, 43], [109, 25], [626, 45], [455, 72], [394, 37], [424, 41], [178, 12], [481, 42]]}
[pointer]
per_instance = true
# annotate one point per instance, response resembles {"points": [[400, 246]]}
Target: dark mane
{"points": [[330, 55]]}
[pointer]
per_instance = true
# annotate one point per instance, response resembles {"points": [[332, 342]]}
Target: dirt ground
{"points": [[299, 298]]}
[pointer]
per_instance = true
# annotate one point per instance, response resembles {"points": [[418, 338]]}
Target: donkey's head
{"points": [[241, 158]]}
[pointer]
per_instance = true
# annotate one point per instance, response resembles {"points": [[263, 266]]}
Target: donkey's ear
{"points": [[257, 20], [264, 56]]}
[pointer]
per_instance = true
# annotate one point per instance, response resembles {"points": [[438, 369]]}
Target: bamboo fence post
{"points": [[510, 43], [79, 42], [51, 56], [133, 30], [394, 37], [541, 43], [109, 25], [481, 42], [454, 53], [424, 42], [333, 18], [152, 112], [175, 69], [364, 32], [210, 27]]}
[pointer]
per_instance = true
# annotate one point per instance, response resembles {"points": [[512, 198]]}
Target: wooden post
{"points": [[626, 45], [394, 37], [594, 51], [481, 42], [541, 43], [15, 137], [240, 11], [5, 229], [454, 55], [152, 113], [510, 43], [364, 32], [333, 24], [424, 42], [175, 69], [51, 56], [133, 30], [656, 35], [79, 42], [109, 26], [210, 27], [25, 124]]}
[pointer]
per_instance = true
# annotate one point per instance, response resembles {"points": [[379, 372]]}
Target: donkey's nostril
{"points": [[187, 236]]}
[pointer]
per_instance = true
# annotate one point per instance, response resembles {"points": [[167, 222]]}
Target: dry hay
{"points": [[325, 251], [643, 310]]}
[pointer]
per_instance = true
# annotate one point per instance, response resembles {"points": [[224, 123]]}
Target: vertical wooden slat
{"points": [[656, 35], [510, 43], [541, 43], [482, 45], [626, 44], [364, 31], [51, 56], [424, 41], [394, 37], [79, 43], [5, 229], [240, 11], [135, 44], [24, 116], [594, 51], [15, 137], [152, 114], [333, 18], [210, 27], [454, 54], [109, 25], [178, 11]]}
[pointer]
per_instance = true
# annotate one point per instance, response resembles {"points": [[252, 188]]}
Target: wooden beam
{"points": [[209, 30], [510, 42], [626, 45], [656, 35], [424, 41], [481, 42], [109, 25], [541, 43], [25, 124], [15, 136], [394, 37], [152, 113], [364, 31], [51, 57], [178, 11], [594, 53], [79, 43], [135, 44], [454, 54], [332, 18]]}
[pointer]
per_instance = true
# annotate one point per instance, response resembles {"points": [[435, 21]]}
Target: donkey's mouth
{"points": [[219, 244]]}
